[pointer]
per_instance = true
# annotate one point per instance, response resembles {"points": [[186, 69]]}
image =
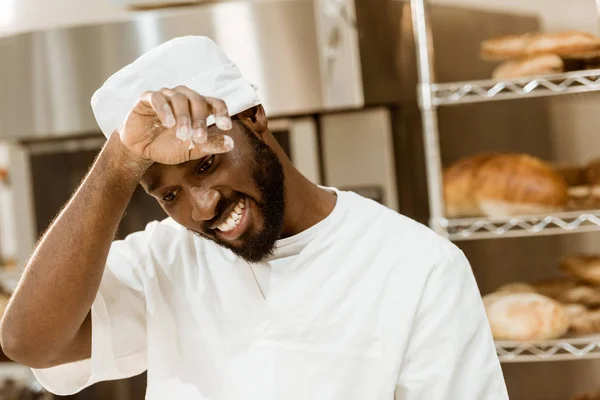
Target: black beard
{"points": [[269, 179]]}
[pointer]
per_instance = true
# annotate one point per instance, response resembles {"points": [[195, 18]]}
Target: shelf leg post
{"points": [[429, 117]]}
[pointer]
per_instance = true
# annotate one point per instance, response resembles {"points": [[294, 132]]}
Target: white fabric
{"points": [[270, 273], [374, 304], [193, 61]]}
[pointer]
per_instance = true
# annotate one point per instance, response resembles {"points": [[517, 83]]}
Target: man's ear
{"points": [[256, 119]]}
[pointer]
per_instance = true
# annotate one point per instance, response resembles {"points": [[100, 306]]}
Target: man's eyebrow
{"points": [[156, 183], [153, 185]]}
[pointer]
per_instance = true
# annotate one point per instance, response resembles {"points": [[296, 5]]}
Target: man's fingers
{"points": [[181, 108], [200, 110], [216, 144], [199, 134], [161, 107], [187, 111], [221, 113]]}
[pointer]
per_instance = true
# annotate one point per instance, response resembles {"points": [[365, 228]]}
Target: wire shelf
{"points": [[570, 348], [523, 225], [492, 90]]}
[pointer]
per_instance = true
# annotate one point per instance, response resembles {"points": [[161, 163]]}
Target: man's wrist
{"points": [[124, 158]]}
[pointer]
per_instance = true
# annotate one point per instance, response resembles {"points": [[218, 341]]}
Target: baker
{"points": [[259, 285]]}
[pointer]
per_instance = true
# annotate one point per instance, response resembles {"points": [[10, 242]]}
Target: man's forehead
{"points": [[155, 175]]}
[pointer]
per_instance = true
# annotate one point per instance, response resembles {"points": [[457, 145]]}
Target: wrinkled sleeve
{"points": [[451, 353], [118, 325]]}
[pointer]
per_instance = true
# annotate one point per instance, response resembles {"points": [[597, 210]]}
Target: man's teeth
{"points": [[234, 218]]}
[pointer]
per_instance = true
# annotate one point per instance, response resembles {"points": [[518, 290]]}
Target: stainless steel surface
{"points": [[343, 142], [570, 348], [338, 54], [520, 88], [522, 225], [285, 47]]}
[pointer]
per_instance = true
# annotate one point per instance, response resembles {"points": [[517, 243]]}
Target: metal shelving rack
{"points": [[495, 90], [431, 96], [583, 347], [521, 225]]}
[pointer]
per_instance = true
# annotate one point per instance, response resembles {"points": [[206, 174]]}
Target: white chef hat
{"points": [[193, 61]]}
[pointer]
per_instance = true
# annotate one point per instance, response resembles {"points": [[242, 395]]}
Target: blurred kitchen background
{"points": [[340, 80]]}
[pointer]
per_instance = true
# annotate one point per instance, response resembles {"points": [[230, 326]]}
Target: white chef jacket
{"points": [[374, 304]]}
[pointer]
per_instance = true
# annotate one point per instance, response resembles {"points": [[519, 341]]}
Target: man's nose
{"points": [[204, 203]]}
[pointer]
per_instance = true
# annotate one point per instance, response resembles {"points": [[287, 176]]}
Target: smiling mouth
{"points": [[234, 218]]}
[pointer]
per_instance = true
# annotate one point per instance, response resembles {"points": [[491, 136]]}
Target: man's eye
{"points": [[169, 197], [205, 166]]}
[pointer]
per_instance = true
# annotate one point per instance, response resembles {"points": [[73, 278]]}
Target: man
{"points": [[260, 285]]}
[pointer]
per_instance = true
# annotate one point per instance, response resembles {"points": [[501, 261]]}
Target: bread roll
{"points": [[573, 174], [568, 291], [506, 47], [491, 298], [516, 287], [564, 290], [573, 44], [525, 316], [553, 288], [583, 321], [581, 294], [529, 66], [592, 172], [584, 267], [512, 184], [587, 396], [575, 310], [459, 185], [583, 197]]}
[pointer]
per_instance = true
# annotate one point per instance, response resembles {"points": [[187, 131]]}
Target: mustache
{"points": [[222, 206]]}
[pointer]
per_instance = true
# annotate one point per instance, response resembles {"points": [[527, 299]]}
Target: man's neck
{"points": [[306, 204]]}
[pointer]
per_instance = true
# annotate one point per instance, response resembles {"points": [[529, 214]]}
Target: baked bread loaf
{"points": [[592, 172], [583, 197], [573, 174], [575, 310], [585, 267], [572, 44], [459, 186], [583, 321], [512, 184], [529, 66], [564, 290], [525, 316], [581, 294], [506, 47], [516, 287], [587, 396], [553, 288]]}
